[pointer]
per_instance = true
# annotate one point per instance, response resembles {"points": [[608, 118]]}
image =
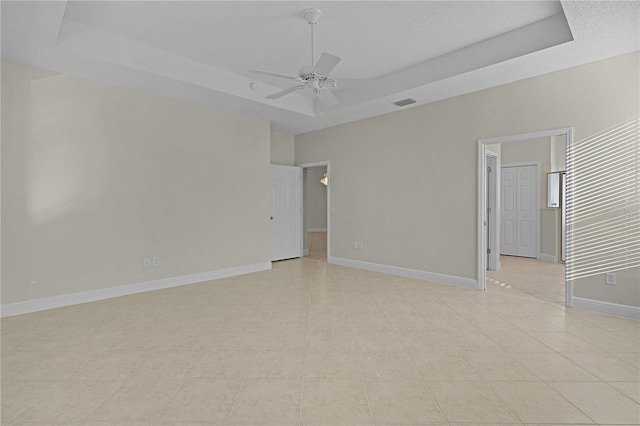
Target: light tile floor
{"points": [[528, 276], [317, 245], [314, 343]]}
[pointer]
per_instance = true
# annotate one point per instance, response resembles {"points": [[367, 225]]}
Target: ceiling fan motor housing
{"points": [[312, 15], [307, 73]]}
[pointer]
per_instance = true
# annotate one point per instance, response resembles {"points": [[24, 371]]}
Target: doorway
{"points": [[493, 227], [316, 210], [485, 233]]}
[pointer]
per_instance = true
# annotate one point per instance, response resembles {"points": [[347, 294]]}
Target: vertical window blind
{"points": [[603, 202]]}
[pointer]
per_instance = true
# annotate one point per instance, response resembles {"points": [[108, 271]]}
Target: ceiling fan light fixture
{"points": [[325, 179]]}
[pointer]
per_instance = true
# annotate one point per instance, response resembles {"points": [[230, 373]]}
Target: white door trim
{"points": [[326, 164], [538, 166], [493, 243], [567, 132]]}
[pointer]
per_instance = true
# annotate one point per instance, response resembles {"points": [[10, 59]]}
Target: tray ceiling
{"points": [[201, 51]]}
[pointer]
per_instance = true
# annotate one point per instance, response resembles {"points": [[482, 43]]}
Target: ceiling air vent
{"points": [[404, 102]]}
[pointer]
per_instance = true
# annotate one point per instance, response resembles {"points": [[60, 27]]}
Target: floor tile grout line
{"points": [[353, 342], [185, 380], [569, 402], [306, 351], [173, 395], [424, 383], [627, 396], [124, 382], [245, 376], [504, 404]]}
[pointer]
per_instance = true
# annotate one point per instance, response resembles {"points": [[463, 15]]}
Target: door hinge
{"points": [[489, 169], [488, 251]]}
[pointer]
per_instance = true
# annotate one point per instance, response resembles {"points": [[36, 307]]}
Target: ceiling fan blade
{"points": [[275, 74], [327, 98], [285, 92], [326, 63], [359, 83]]}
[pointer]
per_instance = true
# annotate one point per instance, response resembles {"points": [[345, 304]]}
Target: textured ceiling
{"points": [[201, 51]]}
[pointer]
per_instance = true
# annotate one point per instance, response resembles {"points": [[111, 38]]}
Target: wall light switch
{"points": [[156, 261], [146, 262]]}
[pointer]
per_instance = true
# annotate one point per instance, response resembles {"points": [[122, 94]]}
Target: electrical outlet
{"points": [[360, 246], [146, 262], [156, 261], [610, 278], [355, 245]]}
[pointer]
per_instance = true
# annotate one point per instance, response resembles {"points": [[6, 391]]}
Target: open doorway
{"points": [[492, 228], [315, 216], [540, 271]]}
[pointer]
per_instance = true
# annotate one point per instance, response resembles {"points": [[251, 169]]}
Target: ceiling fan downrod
{"points": [[312, 16]]}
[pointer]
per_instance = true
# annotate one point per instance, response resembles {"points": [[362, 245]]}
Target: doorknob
{"points": [[271, 217]]}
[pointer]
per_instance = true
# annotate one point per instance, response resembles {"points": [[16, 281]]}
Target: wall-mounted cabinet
{"points": [[553, 189], [556, 182]]}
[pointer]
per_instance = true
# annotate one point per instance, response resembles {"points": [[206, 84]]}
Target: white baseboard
{"points": [[548, 258], [608, 308], [405, 272], [316, 229], [28, 306]]}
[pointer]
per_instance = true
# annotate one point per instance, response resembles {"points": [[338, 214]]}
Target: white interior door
{"points": [[519, 211], [508, 211], [527, 211], [286, 212]]}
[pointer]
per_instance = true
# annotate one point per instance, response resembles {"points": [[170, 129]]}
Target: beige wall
{"points": [[558, 154], [282, 149], [315, 199], [96, 178], [405, 183]]}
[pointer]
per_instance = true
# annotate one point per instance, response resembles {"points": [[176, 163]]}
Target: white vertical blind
{"points": [[603, 202]]}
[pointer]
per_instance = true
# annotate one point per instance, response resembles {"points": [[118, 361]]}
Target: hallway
{"points": [[533, 277]]}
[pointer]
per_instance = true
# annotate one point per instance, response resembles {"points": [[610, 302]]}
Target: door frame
{"points": [[538, 166], [567, 132], [492, 188], [326, 164]]}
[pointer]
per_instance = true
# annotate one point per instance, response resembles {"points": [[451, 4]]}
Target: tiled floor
{"points": [[526, 276], [317, 245], [313, 343]]}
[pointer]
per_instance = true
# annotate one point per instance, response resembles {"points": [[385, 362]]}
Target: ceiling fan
{"points": [[316, 77]]}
